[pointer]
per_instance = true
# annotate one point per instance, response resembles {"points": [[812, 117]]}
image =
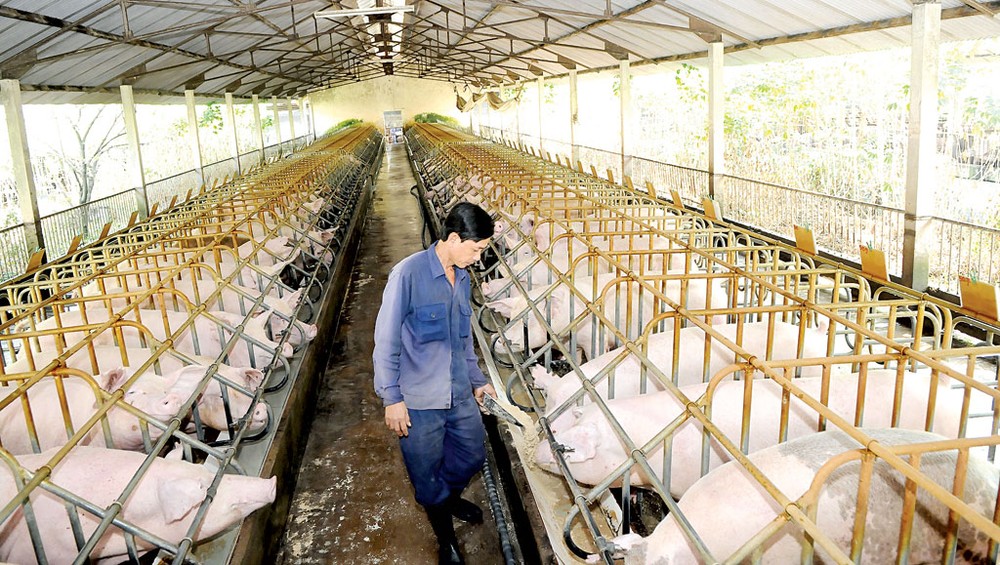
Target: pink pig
{"points": [[164, 503]]}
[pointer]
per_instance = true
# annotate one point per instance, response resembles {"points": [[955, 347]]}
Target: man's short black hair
{"points": [[469, 222]]}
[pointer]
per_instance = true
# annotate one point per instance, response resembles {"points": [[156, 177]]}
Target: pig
{"points": [[164, 503], [161, 398], [211, 405], [690, 364], [232, 298], [562, 301], [596, 451], [727, 507], [210, 343]]}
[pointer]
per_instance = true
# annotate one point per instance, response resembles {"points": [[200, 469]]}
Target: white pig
{"points": [[160, 397], [210, 403], [209, 341], [618, 301], [691, 361], [164, 503], [596, 451], [232, 298], [726, 508]]}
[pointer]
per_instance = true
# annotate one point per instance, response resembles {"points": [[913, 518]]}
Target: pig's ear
{"points": [[582, 439], [542, 239], [293, 298], [253, 378], [113, 380], [186, 381], [577, 411], [543, 379], [178, 497], [502, 306], [822, 324]]}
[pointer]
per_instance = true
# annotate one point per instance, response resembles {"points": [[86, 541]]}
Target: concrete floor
{"points": [[353, 502]]}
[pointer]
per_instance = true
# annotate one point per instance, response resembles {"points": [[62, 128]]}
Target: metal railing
{"points": [[839, 225], [87, 220], [963, 249], [690, 183], [59, 229], [556, 147], [601, 160], [13, 252], [162, 190]]}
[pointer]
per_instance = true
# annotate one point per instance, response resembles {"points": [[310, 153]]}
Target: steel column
{"points": [[230, 127], [194, 139], [135, 149], [716, 114], [921, 154], [10, 96], [258, 126]]}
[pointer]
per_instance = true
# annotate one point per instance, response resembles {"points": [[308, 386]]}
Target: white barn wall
{"points": [[367, 100]]}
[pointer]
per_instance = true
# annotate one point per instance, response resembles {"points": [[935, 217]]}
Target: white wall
{"points": [[367, 100]]}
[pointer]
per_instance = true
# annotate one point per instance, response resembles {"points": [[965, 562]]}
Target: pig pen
{"points": [[185, 338], [684, 334]]}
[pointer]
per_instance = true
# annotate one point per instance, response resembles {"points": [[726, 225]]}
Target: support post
{"points": [[137, 175], [291, 122], [574, 118], [24, 178], [277, 121], [921, 154], [194, 139], [230, 127], [311, 117], [258, 125], [625, 95], [540, 83], [716, 113]]}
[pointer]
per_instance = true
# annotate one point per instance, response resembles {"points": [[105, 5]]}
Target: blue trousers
{"points": [[444, 449]]}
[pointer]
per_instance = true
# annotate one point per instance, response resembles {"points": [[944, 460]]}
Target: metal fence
{"points": [[691, 184], [59, 229], [87, 220], [13, 252], [839, 225], [963, 249], [602, 160], [162, 190]]}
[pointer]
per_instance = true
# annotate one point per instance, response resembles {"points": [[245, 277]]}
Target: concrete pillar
{"points": [[716, 113], [540, 83], [311, 117], [921, 154], [136, 172], [194, 139], [257, 125], [230, 127], [291, 120], [574, 111], [24, 178], [277, 120], [625, 96]]}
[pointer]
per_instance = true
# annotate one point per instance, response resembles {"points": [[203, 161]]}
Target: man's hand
{"points": [[485, 389], [397, 418]]}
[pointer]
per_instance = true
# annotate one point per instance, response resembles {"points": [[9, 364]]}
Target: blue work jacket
{"points": [[423, 335]]}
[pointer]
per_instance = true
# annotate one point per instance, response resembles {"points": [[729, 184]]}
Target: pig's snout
{"points": [[543, 455], [258, 420]]}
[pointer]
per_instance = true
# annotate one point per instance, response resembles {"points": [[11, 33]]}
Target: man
{"points": [[427, 373]]}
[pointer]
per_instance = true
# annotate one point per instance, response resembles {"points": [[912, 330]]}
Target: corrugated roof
{"points": [[88, 48]]}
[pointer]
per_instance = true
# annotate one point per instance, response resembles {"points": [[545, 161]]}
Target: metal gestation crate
{"points": [[686, 342], [149, 298]]}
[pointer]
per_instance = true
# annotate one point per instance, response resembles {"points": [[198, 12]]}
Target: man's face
{"points": [[467, 252]]}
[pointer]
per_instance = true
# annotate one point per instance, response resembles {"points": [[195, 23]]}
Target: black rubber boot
{"points": [[463, 509], [444, 529]]}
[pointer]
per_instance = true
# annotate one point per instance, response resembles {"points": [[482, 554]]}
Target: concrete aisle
{"points": [[353, 503]]}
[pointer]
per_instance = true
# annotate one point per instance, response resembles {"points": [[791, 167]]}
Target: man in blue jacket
{"points": [[427, 372]]}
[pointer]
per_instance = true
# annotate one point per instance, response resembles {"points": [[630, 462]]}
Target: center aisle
{"points": [[353, 502]]}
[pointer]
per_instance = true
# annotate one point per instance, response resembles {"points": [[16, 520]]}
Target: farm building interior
{"points": [[740, 303]]}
